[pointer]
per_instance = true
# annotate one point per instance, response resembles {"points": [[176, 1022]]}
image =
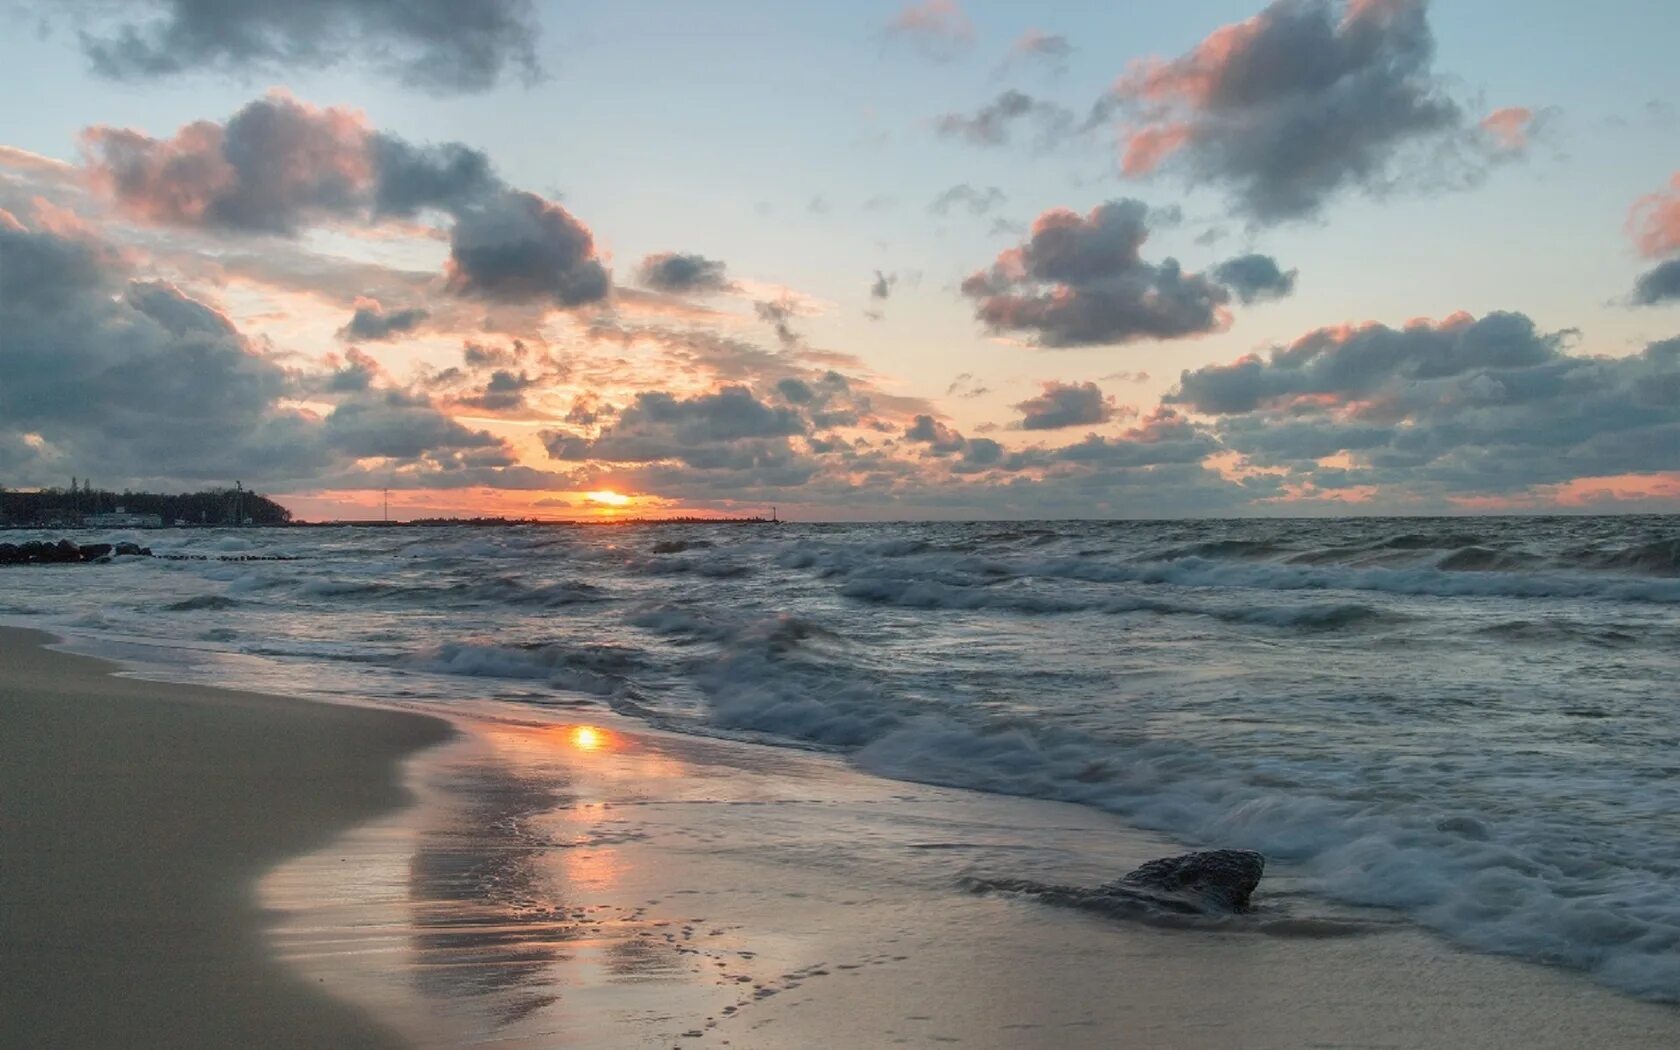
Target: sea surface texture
{"points": [[1471, 721]]}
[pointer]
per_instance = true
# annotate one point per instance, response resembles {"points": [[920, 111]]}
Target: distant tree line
{"points": [[56, 506]]}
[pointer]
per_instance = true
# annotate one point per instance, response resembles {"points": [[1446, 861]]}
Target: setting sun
{"points": [[608, 498], [587, 738]]}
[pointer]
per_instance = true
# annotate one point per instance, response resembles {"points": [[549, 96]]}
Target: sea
{"points": [[1474, 722]]}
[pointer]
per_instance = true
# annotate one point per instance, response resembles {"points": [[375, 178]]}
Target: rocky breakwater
{"points": [[64, 552]]}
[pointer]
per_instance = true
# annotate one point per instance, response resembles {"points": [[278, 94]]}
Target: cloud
{"points": [[395, 424], [1255, 278], [1160, 456], [1065, 405], [1306, 100], [503, 392], [518, 247], [881, 288], [1660, 284], [484, 355], [279, 166], [140, 382], [682, 273], [1052, 50], [937, 29], [940, 439], [1081, 281], [1356, 362], [1510, 127], [977, 201], [778, 314], [994, 123], [447, 176], [1442, 409], [1654, 221], [358, 373], [720, 442], [371, 322], [439, 46], [966, 386], [1162, 437]]}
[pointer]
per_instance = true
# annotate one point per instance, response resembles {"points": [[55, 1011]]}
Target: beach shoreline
{"points": [[137, 818], [569, 878]]}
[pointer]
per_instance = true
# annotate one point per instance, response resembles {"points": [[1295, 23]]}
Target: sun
{"points": [[587, 738], [607, 497]]}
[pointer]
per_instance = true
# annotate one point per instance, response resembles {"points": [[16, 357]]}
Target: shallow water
{"points": [[1469, 720]]}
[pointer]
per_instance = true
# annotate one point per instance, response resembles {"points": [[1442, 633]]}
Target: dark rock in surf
{"points": [[1188, 889], [1212, 881]]}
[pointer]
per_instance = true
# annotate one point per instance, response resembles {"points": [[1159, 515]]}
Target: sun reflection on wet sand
{"points": [[584, 884], [498, 896]]}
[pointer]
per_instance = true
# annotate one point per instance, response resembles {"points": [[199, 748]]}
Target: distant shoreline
{"points": [[420, 523]]}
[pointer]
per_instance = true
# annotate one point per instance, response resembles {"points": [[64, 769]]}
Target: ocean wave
{"points": [[933, 594], [678, 546], [720, 567], [1242, 550], [598, 670], [1552, 631], [1200, 572], [1486, 559], [202, 603], [1430, 541], [336, 588], [1528, 889], [1498, 880], [511, 590], [973, 595], [1659, 557]]}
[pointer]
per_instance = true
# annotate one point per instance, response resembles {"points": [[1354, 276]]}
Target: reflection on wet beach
{"points": [[507, 902], [591, 885]]}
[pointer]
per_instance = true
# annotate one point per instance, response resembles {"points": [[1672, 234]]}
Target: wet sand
{"points": [[567, 884], [135, 819], [603, 885]]}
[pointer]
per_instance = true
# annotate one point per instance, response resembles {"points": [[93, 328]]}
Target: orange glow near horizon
{"points": [[588, 738], [608, 498]]}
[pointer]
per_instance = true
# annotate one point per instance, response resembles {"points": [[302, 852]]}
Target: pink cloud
{"points": [[277, 162], [1147, 147], [1654, 220], [1509, 127], [939, 28]]}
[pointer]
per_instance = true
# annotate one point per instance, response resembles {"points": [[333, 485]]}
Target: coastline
{"points": [[137, 817], [604, 884]]}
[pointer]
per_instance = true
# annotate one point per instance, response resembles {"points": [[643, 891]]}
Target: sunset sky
{"points": [[862, 260]]}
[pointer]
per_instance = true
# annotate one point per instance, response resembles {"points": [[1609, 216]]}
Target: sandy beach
{"points": [[135, 817], [189, 867]]}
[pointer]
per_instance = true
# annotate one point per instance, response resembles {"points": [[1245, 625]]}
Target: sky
{"points": [[856, 261]]}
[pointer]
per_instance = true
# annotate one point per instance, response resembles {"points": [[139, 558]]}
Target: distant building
{"points": [[122, 519]]}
